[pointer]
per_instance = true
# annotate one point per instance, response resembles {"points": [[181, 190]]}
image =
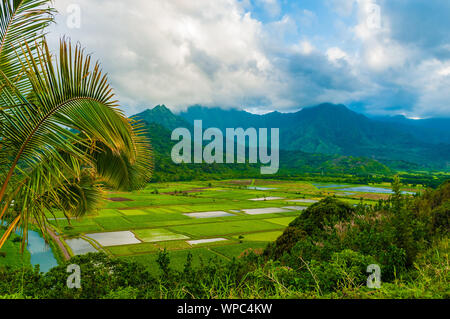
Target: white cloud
{"points": [[175, 52], [432, 77], [334, 54], [445, 71], [216, 53], [304, 47]]}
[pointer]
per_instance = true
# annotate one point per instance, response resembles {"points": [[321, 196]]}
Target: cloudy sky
{"points": [[376, 56]]}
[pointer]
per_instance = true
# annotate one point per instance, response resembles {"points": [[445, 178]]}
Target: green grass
{"points": [[153, 217], [108, 213], [14, 257], [178, 258], [133, 249], [224, 228], [85, 225], [173, 245], [113, 223], [264, 237], [133, 212], [110, 205], [154, 235], [284, 221], [231, 251]]}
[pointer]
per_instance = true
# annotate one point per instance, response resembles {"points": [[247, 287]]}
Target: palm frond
{"points": [[20, 21], [118, 171], [65, 137]]}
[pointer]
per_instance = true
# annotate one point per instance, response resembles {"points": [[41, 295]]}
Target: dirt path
{"points": [[60, 244]]}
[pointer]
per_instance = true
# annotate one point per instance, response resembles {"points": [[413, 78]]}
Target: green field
{"points": [[11, 255], [155, 235], [156, 216]]}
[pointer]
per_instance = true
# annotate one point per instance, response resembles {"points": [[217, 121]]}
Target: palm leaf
{"points": [[72, 116], [20, 21]]}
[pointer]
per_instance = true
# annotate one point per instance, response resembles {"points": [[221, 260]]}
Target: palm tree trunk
{"points": [[8, 231]]}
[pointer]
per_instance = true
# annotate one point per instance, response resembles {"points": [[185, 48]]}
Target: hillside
{"points": [[433, 130], [334, 129], [160, 114], [291, 162]]}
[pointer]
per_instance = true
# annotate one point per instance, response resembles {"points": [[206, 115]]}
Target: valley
{"points": [[208, 219]]}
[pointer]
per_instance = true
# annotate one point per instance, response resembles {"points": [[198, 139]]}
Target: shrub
{"points": [[284, 243], [349, 268], [441, 218], [324, 213], [100, 275], [123, 293], [311, 223]]}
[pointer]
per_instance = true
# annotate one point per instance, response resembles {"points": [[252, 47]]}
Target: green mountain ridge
{"points": [[291, 163], [431, 130], [325, 129], [334, 129], [160, 114]]}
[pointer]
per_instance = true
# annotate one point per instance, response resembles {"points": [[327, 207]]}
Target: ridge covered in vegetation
{"points": [[330, 129]]}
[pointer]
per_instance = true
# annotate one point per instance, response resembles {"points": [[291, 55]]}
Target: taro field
{"points": [[212, 220]]}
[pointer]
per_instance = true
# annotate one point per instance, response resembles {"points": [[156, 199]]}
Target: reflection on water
{"points": [[260, 188], [362, 189], [41, 253], [80, 246], [329, 185], [370, 189]]}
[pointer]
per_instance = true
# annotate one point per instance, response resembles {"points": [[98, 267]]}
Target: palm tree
{"points": [[62, 136]]}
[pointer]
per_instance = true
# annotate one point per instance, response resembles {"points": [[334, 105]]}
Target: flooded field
{"points": [[80, 246], [114, 238]]}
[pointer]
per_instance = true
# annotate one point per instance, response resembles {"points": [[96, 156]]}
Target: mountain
{"points": [[291, 163], [222, 119], [433, 130], [161, 115], [334, 129], [331, 130]]}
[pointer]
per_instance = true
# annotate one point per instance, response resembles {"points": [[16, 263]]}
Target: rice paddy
{"points": [[260, 211], [159, 234], [205, 241], [80, 246], [217, 219], [208, 214], [266, 198], [114, 238]]}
